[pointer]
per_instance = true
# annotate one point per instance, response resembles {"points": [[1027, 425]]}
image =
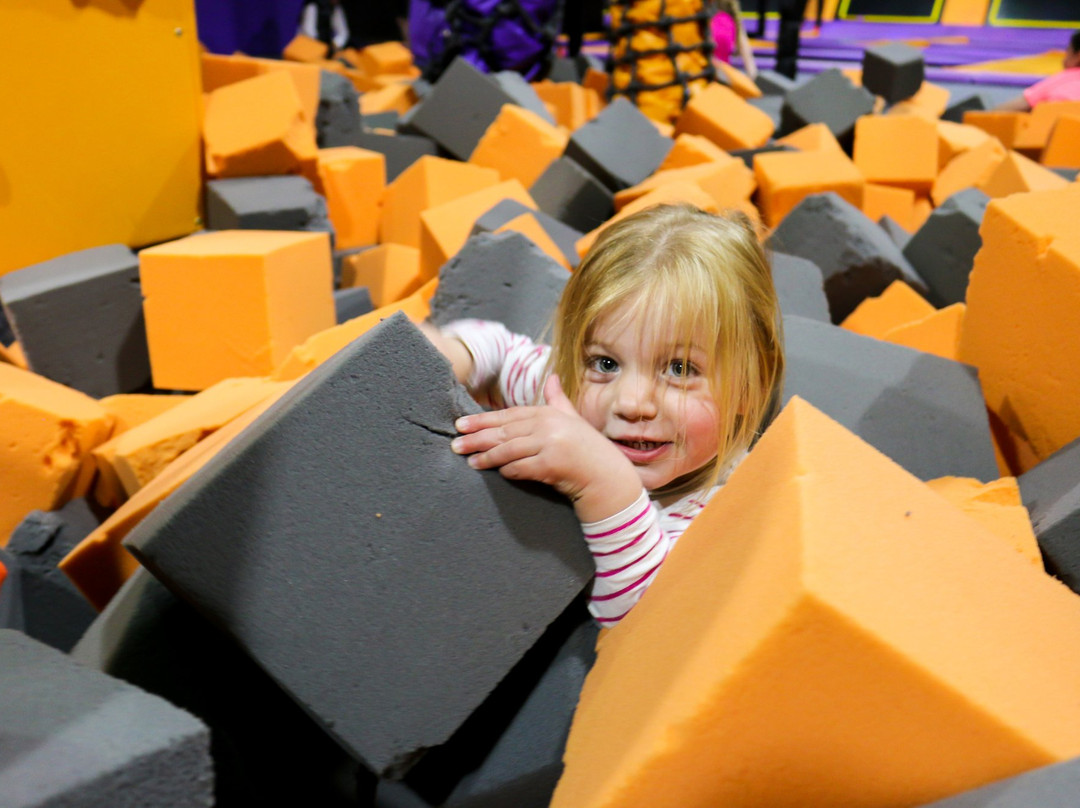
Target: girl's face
{"points": [[649, 396]]}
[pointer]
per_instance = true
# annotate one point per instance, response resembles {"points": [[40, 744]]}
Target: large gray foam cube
{"points": [[857, 257], [569, 193], [400, 151], [800, 287], [352, 302], [524, 94], [1054, 786], [461, 106], [564, 236], [898, 234], [55, 612], [829, 98], [79, 319], [266, 750], [71, 736], [894, 70], [368, 569], [1051, 493], [620, 146], [265, 203], [925, 412], [337, 120], [500, 276], [943, 250]]}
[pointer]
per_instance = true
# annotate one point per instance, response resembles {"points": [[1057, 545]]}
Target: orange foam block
{"points": [[812, 137], [997, 507], [353, 181], [829, 631], [884, 200], [881, 158], [232, 303], [320, 347], [219, 70], [99, 564], [13, 355], [786, 178], [938, 333], [898, 305], [428, 182], [738, 81], [385, 57], [929, 101], [968, 169], [256, 127], [728, 181], [302, 48], [719, 114], [1005, 126], [397, 97], [956, 138], [1035, 134], [1019, 174], [139, 454], [691, 150], [445, 228], [519, 144], [47, 432], [389, 271], [1021, 329], [568, 102], [1063, 147]]}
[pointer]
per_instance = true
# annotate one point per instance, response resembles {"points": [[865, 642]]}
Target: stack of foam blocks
{"points": [[228, 502]]}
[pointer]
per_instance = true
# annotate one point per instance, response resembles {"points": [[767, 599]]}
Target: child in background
{"points": [[667, 363], [729, 34]]}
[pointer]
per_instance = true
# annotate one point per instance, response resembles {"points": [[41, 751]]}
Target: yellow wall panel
{"points": [[99, 125]]}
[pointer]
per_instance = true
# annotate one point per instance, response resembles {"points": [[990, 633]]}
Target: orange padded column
{"points": [[232, 303], [829, 631], [1021, 327]]}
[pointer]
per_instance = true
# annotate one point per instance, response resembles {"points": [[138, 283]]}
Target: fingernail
{"points": [[473, 461], [455, 445], [461, 423]]}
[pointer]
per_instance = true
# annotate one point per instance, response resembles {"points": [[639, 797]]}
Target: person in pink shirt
{"points": [[667, 362], [729, 35], [1063, 86]]}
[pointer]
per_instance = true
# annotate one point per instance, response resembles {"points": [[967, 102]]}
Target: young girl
{"points": [[729, 35], [667, 362]]}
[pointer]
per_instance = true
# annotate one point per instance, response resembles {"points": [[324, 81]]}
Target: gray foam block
{"points": [[564, 69], [510, 751], [461, 106], [337, 120], [79, 319], [523, 93], [771, 105], [829, 98], [503, 277], [800, 287], [264, 747], [564, 236], [898, 234], [400, 151], [747, 155], [943, 250], [894, 70], [925, 412], [7, 336], [857, 257], [568, 192], [1046, 787], [266, 203], [73, 736], [352, 302], [772, 83], [620, 146], [956, 109], [1069, 174], [55, 611], [381, 120], [11, 600], [381, 581], [1051, 493]]}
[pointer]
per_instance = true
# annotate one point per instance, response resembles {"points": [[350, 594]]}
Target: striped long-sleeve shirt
{"points": [[628, 547]]}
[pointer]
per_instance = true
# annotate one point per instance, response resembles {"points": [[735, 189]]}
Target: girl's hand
{"points": [[552, 444]]}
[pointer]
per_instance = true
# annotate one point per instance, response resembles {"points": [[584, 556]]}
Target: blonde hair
{"points": [[690, 272]]}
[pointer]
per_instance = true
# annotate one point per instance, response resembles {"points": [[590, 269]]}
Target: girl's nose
{"points": [[635, 398]]}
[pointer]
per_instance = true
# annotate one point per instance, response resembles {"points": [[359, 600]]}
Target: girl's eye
{"points": [[603, 364], [681, 369]]}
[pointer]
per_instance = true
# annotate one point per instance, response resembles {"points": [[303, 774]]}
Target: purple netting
{"points": [[492, 35]]}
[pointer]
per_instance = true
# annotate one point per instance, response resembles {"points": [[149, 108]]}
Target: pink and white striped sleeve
{"points": [[509, 369], [629, 549]]}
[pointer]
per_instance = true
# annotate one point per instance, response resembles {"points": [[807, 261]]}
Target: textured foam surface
{"points": [[943, 250], [353, 302], [264, 747], [894, 70], [338, 121], [400, 151], [265, 203], [620, 146], [1051, 493], [523, 93], [829, 98], [79, 319], [799, 286], [857, 258], [925, 412], [340, 522], [70, 735], [564, 236], [569, 193]]}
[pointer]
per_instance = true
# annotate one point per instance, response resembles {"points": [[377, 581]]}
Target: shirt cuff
{"points": [[617, 523]]}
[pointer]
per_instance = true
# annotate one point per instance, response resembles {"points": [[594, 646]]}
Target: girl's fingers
{"points": [[555, 397], [503, 454], [492, 419]]}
